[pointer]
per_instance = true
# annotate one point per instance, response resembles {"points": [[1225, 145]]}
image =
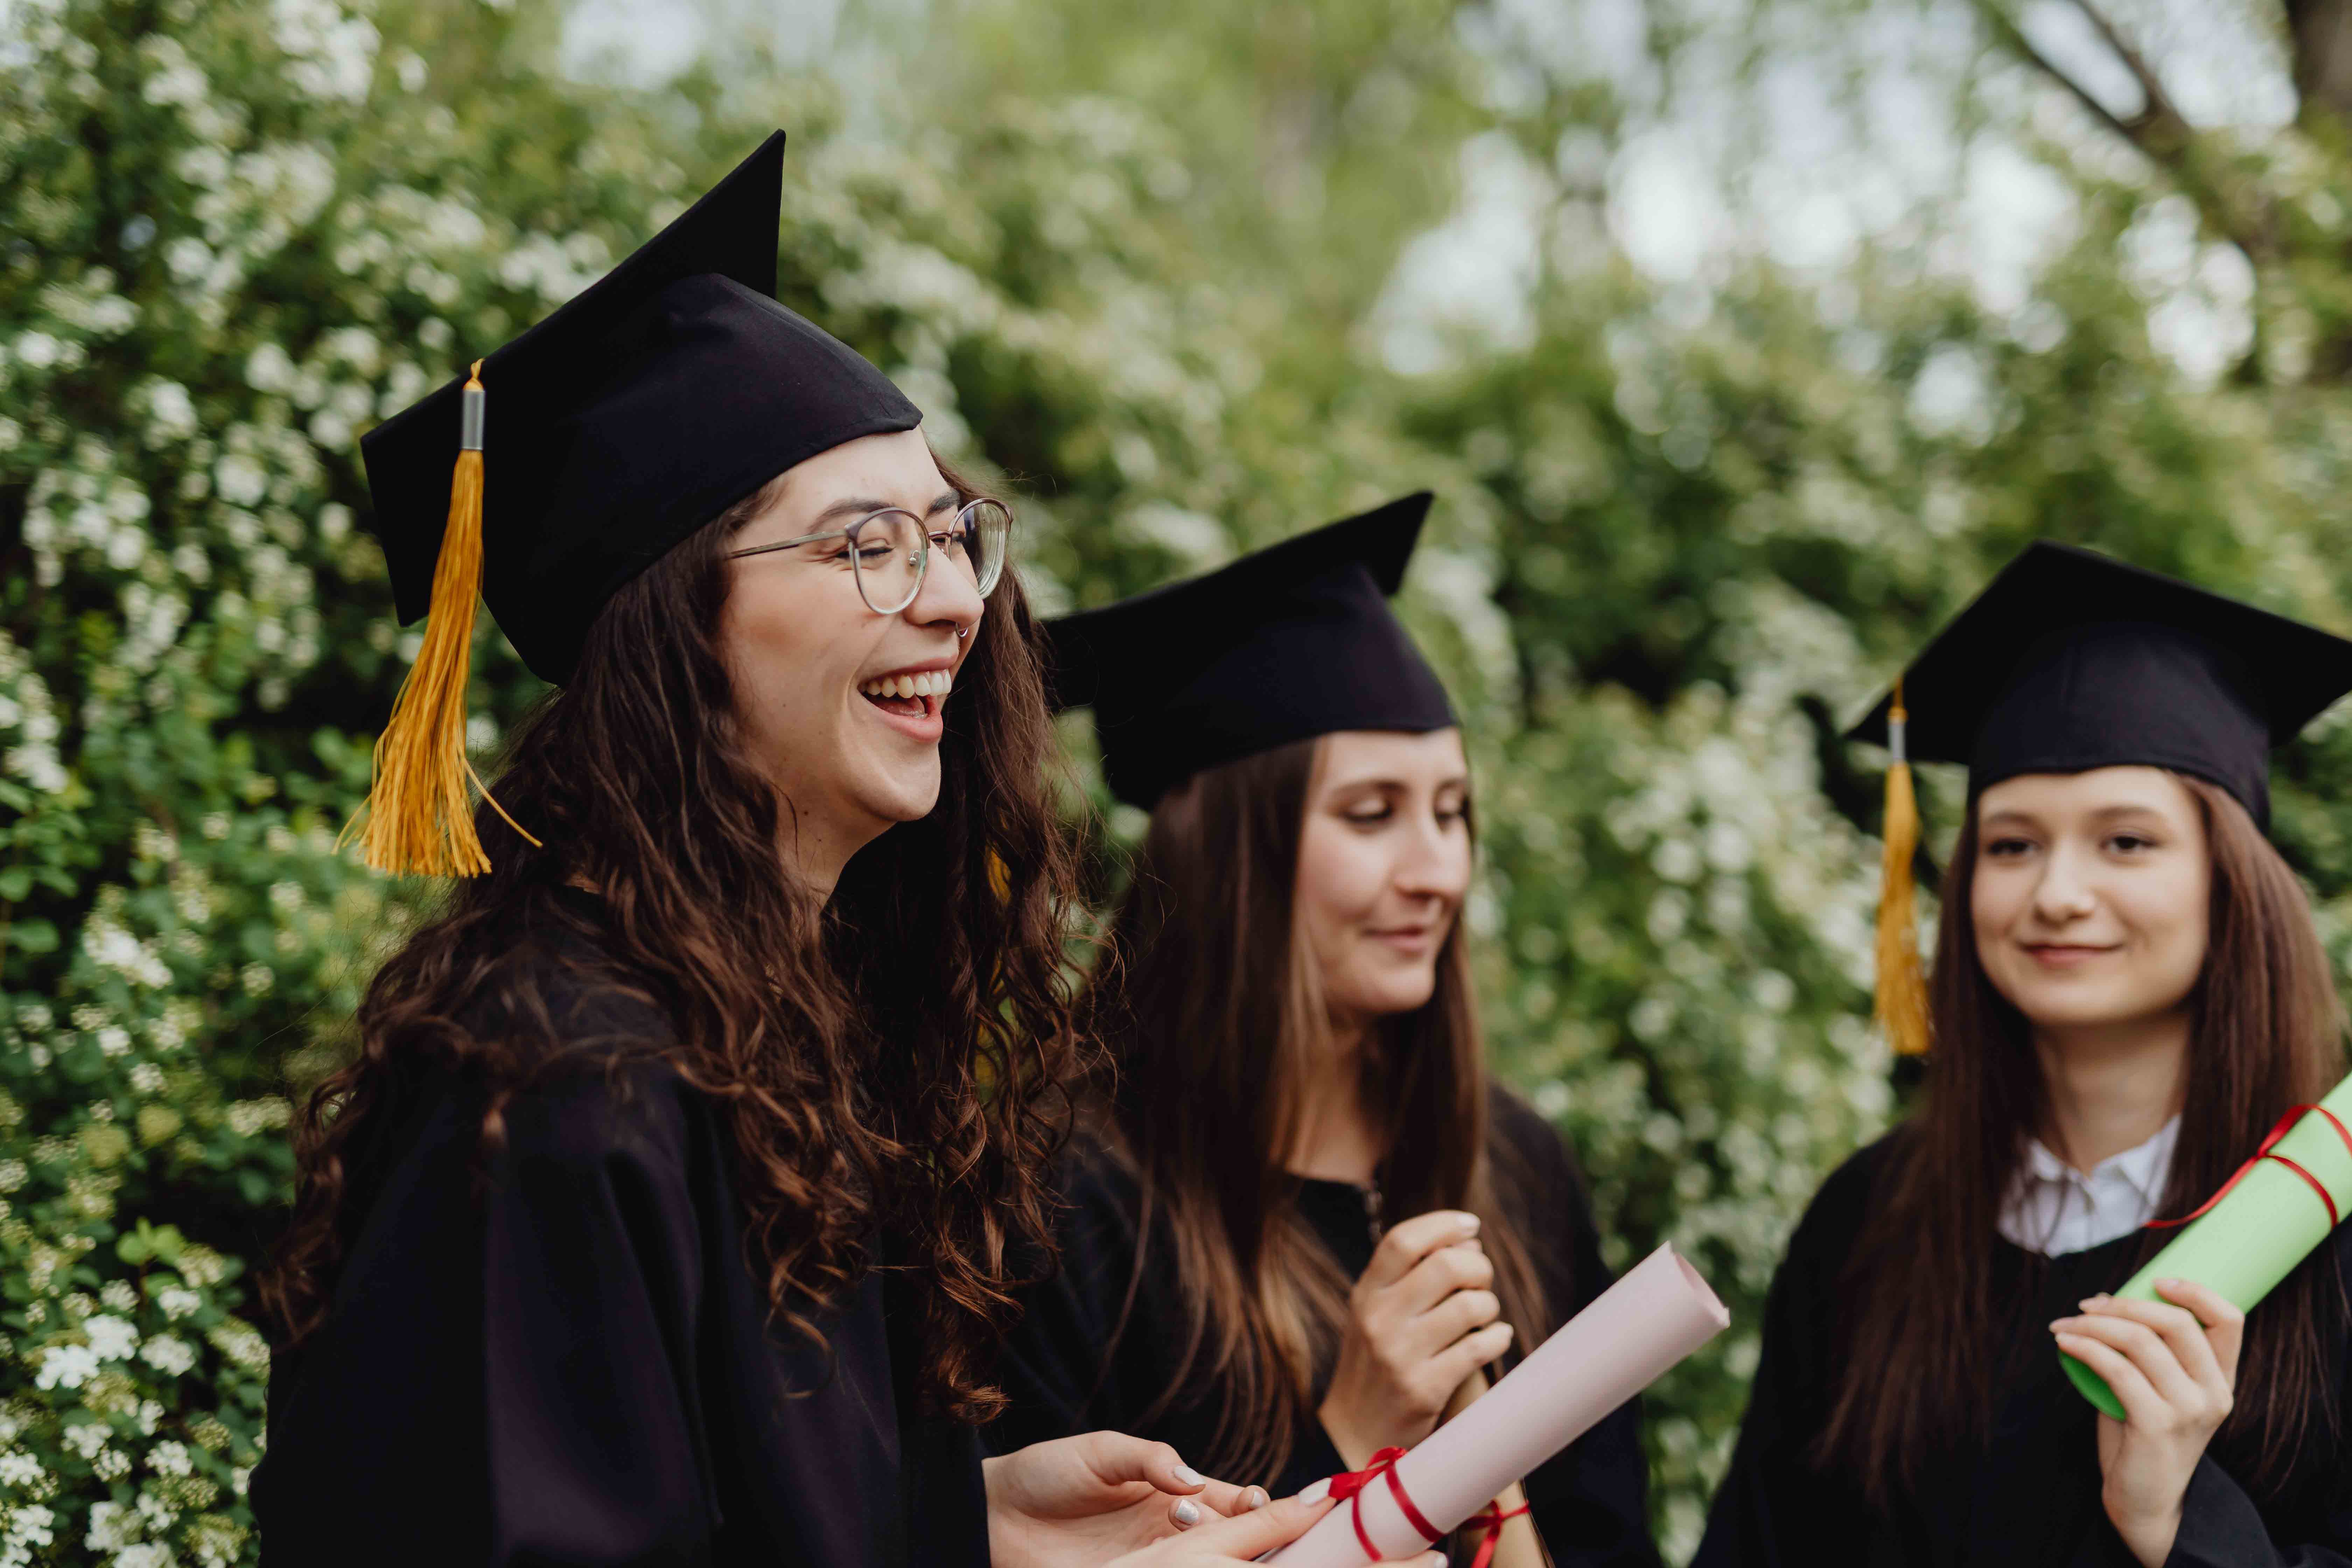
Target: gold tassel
{"points": [[1901, 1003], [419, 815]]}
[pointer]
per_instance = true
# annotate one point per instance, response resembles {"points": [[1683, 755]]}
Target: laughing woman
{"points": [[661, 1217], [1307, 1217], [2128, 991]]}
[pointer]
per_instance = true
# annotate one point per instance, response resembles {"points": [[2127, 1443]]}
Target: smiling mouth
{"points": [[917, 695]]}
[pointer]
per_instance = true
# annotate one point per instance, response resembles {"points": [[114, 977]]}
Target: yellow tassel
{"points": [[1902, 988], [419, 815]]}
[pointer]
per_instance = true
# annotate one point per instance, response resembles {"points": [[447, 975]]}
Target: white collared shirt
{"points": [[2055, 1209]]}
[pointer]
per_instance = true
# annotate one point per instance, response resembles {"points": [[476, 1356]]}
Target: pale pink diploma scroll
{"points": [[1660, 1312]]}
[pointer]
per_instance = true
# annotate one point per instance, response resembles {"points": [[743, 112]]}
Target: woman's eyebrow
{"points": [[2109, 812], [859, 506], [1362, 782]]}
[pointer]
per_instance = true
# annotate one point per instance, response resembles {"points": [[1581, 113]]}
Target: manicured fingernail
{"points": [[2170, 1284], [1469, 1225], [1188, 1514], [1253, 1497], [1190, 1477], [1315, 1491], [2062, 1322]]}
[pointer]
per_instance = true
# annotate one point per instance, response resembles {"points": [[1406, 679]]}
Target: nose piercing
{"points": [[962, 632]]}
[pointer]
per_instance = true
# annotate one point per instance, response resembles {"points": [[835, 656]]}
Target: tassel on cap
{"points": [[1902, 1003], [419, 813]]}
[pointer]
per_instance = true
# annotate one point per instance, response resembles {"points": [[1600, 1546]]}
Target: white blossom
{"points": [[110, 1526], [67, 1366], [169, 1354], [110, 1338]]}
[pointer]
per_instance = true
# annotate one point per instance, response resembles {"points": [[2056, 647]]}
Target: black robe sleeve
{"points": [[2221, 1527], [550, 1352], [1775, 1509], [1058, 1369], [1101, 1339]]}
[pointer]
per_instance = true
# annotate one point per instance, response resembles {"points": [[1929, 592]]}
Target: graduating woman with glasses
{"points": [[1304, 1222], [663, 1214]]}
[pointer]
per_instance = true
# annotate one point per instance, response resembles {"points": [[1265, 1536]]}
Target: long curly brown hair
{"points": [[893, 1059]]}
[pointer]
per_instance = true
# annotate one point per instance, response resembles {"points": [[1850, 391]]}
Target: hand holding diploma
{"points": [[2278, 1208], [2159, 1358], [1101, 1497], [2175, 1368], [1242, 1539], [1421, 1320], [1653, 1317]]}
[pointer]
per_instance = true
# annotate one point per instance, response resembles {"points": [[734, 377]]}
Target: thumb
{"points": [[1250, 1535], [1116, 1458]]}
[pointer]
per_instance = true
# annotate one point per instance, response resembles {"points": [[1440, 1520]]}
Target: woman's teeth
{"points": [[930, 683]]}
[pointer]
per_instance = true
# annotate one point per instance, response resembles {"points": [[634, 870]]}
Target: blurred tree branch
{"points": [[2319, 35], [2234, 207]]}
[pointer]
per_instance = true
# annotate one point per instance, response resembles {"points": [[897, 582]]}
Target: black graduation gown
{"points": [[2027, 1498], [1590, 1502], [556, 1353]]}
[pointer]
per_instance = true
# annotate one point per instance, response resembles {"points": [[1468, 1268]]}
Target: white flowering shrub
{"points": [[231, 239], [1675, 547]]}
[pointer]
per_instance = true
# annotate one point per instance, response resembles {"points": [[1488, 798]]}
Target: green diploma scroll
{"points": [[2251, 1237]]}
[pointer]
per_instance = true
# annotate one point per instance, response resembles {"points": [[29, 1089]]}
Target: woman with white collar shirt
{"points": [[2127, 992]]}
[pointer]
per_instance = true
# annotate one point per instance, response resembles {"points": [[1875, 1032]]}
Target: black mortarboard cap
{"points": [[1295, 641], [650, 403], [573, 459], [2070, 660]]}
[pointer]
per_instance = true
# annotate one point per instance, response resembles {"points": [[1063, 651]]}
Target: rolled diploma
{"points": [[2253, 1239], [1658, 1314]]}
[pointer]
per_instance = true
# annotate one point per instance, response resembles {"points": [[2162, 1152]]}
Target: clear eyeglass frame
{"points": [[891, 551]]}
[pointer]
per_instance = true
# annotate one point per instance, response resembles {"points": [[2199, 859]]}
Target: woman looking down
{"points": [[1304, 1221]]}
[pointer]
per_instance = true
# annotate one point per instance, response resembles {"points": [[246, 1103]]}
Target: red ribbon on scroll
{"points": [[1491, 1519], [2287, 1124], [1348, 1487]]}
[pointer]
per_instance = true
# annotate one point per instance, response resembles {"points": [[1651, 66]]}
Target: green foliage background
{"points": [[1136, 262]]}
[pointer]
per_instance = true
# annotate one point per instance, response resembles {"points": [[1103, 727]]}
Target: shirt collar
{"points": [[2146, 1166]]}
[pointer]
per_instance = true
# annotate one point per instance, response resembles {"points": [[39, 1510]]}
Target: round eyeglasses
{"points": [[889, 551]]}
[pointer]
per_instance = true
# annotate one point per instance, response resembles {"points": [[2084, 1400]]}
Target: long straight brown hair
{"points": [[1929, 1340], [1211, 1014]]}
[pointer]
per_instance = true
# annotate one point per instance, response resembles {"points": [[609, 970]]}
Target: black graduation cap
{"points": [[1295, 641], [658, 398], [2070, 660], [583, 451]]}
